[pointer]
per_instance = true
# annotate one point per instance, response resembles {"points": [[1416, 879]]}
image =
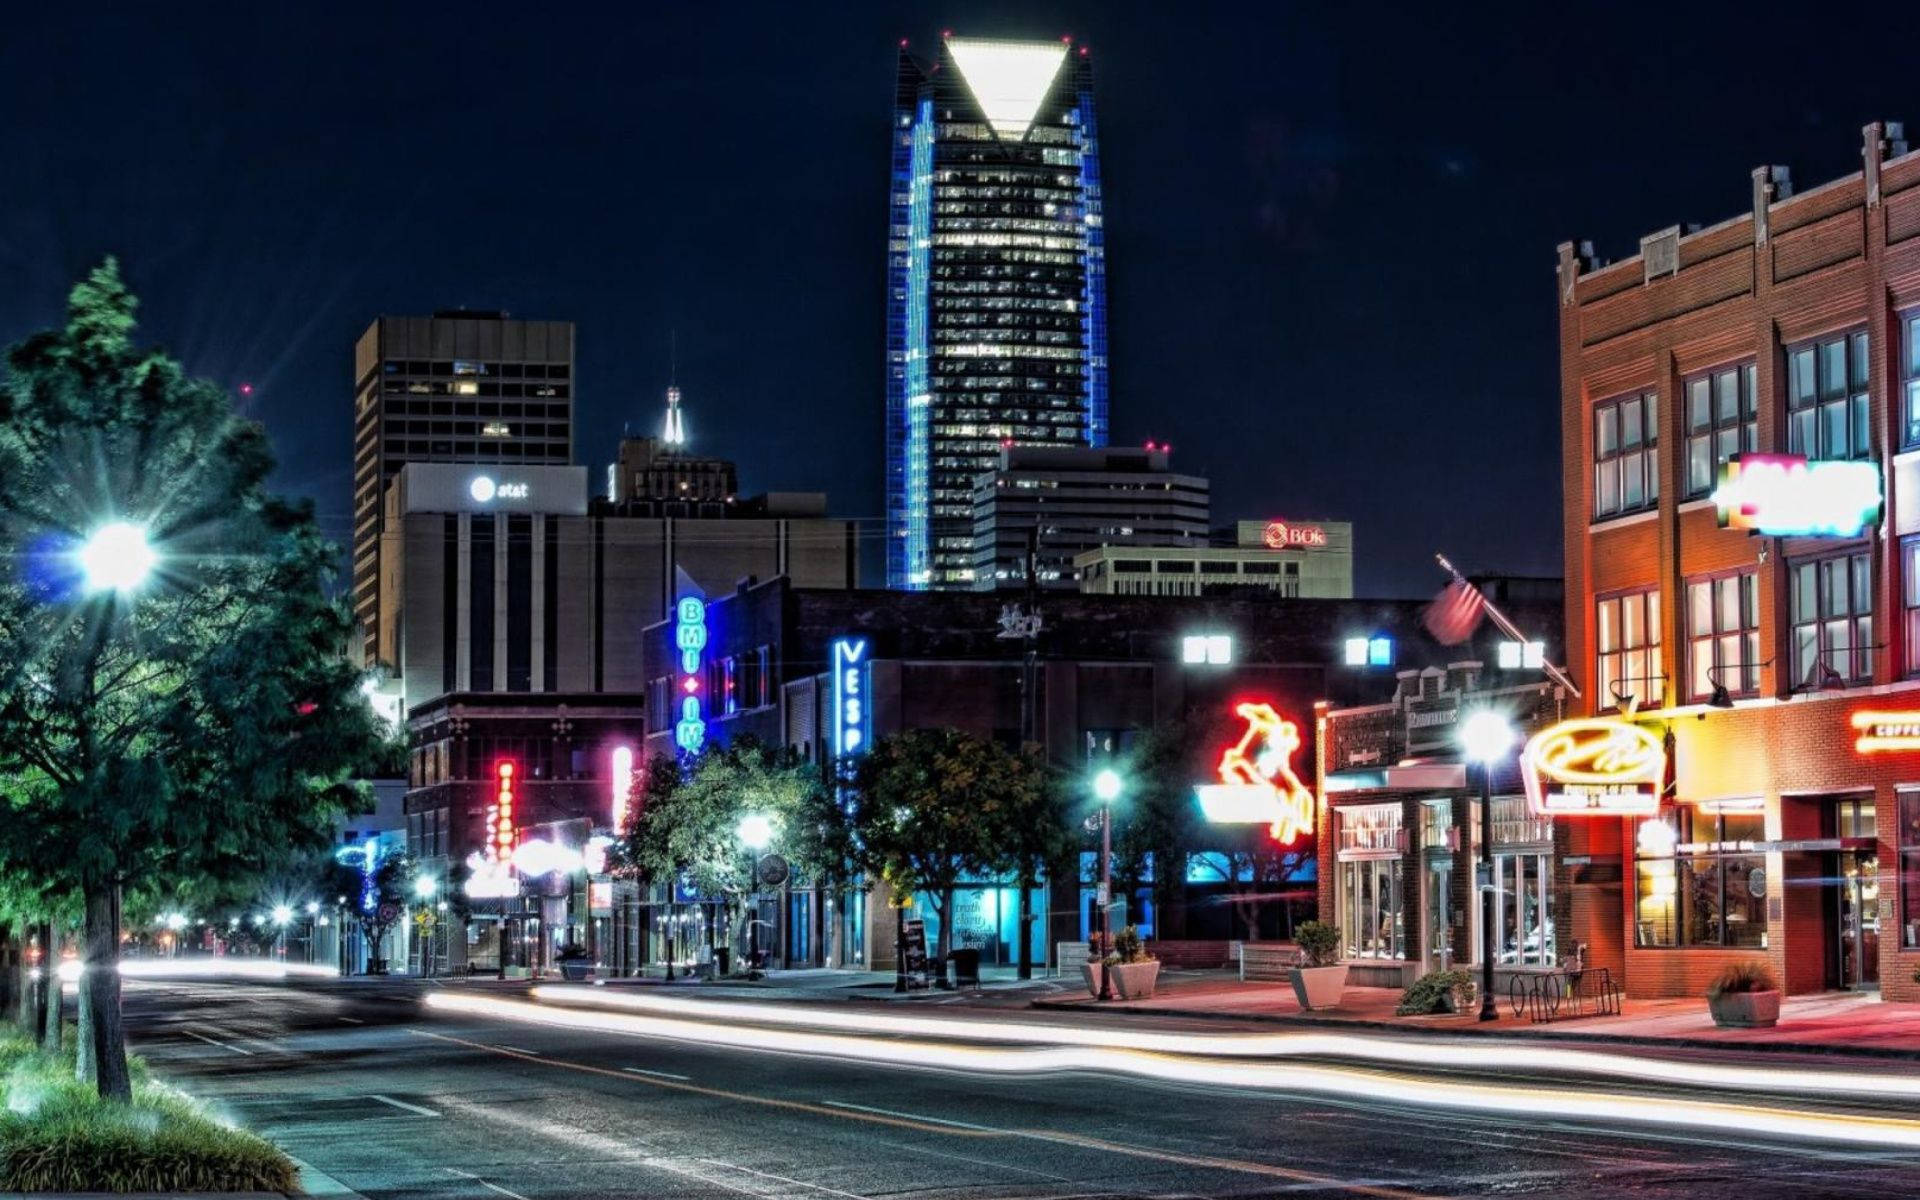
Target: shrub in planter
{"points": [[1744, 996], [1438, 992], [1321, 977], [1134, 970]]}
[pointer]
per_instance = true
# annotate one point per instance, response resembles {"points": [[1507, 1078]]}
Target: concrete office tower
{"points": [[996, 285], [456, 387], [1079, 499]]}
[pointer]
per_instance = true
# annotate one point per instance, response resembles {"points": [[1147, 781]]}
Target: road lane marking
{"points": [[209, 1041], [910, 1148], [402, 1104], [351, 1020], [951, 1129], [655, 1074], [888, 1112], [715, 1162], [482, 1182]]}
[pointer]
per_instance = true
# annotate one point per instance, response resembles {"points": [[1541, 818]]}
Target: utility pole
{"points": [[1030, 726]]}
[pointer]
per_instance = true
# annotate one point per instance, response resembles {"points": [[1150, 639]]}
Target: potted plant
{"points": [[575, 963], [1321, 976], [1134, 970], [1096, 963], [1744, 996]]}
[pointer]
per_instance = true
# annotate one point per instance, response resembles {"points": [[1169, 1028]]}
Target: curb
{"points": [[315, 1182], [1625, 1039]]}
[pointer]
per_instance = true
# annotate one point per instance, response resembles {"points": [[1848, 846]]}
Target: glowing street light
{"points": [[755, 832], [1486, 737], [425, 887], [117, 557], [1107, 786], [282, 914]]}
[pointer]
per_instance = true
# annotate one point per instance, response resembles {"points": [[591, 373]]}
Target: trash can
{"points": [[720, 956], [966, 968]]}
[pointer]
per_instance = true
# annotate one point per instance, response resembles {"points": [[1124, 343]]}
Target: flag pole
{"points": [[1507, 627]]}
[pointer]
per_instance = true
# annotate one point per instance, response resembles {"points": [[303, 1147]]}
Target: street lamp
{"points": [[755, 833], [1486, 737], [1106, 789], [116, 557], [281, 915]]}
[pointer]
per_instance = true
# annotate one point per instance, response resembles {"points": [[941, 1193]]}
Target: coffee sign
{"points": [[1593, 766]]}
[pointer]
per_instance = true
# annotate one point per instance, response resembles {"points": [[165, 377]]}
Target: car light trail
{"points": [[1481, 1055], [203, 968], [1529, 1103]]}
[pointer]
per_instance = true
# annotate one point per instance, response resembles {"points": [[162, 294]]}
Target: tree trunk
{"points": [[1025, 933], [51, 1001], [102, 983], [25, 1013], [946, 922], [9, 955], [84, 1068]]}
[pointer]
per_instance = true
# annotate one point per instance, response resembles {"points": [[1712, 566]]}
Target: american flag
{"points": [[1455, 613]]}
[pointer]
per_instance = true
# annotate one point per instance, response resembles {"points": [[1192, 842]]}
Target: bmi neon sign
{"points": [[690, 638], [1257, 781], [1279, 535], [1883, 731], [1784, 495], [1593, 766], [852, 714]]}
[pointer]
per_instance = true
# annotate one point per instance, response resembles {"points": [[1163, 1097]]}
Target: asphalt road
{"points": [[395, 1100]]}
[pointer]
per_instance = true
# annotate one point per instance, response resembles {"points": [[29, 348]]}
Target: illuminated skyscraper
{"points": [[996, 278]]}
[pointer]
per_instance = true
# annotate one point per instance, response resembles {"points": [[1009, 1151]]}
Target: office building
{"points": [[456, 387], [1287, 557], [660, 476], [1739, 406], [996, 285], [1077, 499]]}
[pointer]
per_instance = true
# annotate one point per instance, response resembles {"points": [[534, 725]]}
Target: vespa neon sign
{"points": [[851, 715], [1258, 783], [1593, 766]]}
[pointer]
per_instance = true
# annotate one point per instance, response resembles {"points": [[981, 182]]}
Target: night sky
{"points": [[1331, 237]]}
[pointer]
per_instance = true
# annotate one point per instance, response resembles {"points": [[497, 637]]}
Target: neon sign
{"points": [[485, 491], [1279, 535], [1884, 731], [1593, 766], [851, 715], [1784, 495], [1258, 783], [622, 782], [490, 869], [690, 638]]}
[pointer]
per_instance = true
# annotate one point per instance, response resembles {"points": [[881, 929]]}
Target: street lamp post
{"points": [[1106, 789], [281, 915], [755, 832], [1486, 737]]}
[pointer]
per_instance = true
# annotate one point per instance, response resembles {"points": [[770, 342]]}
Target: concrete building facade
{"points": [[1286, 557]]}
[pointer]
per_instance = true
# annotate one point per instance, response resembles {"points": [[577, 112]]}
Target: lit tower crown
{"points": [[675, 433]]}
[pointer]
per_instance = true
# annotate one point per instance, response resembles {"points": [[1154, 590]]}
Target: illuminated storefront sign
{"points": [[621, 780], [1258, 784], [1279, 535], [1599, 766], [490, 869], [690, 638], [852, 715], [1784, 495], [1883, 731], [485, 490]]}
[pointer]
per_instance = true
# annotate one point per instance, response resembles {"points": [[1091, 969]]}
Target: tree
{"points": [[374, 905], [1157, 826], [1036, 834], [194, 723], [935, 805]]}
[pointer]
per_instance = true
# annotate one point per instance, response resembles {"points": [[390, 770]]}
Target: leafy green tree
{"points": [[195, 724], [1156, 824], [1036, 834], [936, 805], [375, 910]]}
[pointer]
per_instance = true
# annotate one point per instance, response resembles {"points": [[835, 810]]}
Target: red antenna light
{"points": [[903, 43], [246, 389]]}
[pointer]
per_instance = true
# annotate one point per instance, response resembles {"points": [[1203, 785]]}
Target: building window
{"points": [[1910, 870], [1626, 476], [1627, 629], [1372, 906], [1910, 600], [1723, 419], [1831, 611], [1723, 635], [1910, 377], [1698, 880], [1827, 398]]}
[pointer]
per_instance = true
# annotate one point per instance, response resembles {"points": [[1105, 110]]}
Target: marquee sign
{"points": [[1279, 535], [490, 869], [621, 780], [1884, 731], [852, 716], [1593, 766], [1258, 783], [1784, 495], [690, 638]]}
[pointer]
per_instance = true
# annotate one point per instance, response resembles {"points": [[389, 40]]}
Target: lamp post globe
{"points": [[1106, 789], [282, 914], [755, 832], [1486, 737], [425, 887], [116, 557], [1107, 785]]}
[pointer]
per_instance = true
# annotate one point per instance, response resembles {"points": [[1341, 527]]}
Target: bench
{"points": [[1069, 957], [1267, 960]]}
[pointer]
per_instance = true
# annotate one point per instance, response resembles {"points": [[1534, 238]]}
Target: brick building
{"points": [[1790, 330]]}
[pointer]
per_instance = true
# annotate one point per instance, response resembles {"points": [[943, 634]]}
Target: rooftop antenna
{"points": [[675, 433]]}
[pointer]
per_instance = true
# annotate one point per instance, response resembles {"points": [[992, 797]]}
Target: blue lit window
{"points": [[1380, 652]]}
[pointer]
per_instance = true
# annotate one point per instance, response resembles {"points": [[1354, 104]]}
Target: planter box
{"points": [[1090, 973], [575, 971], [1745, 1010], [1134, 981], [1319, 987]]}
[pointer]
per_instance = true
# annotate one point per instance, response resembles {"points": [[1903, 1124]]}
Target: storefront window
{"points": [[1910, 870], [1523, 895], [1371, 909], [1699, 882]]}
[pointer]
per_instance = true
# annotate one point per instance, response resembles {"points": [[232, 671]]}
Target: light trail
{"points": [[203, 968], [1483, 1054], [1528, 1103]]}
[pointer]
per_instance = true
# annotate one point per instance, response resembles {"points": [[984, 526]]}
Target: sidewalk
{"points": [[1824, 1023]]}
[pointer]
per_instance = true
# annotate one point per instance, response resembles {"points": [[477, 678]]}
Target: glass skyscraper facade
{"points": [[996, 285]]}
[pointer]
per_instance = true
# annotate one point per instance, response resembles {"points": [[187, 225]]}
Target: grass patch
{"points": [[57, 1135]]}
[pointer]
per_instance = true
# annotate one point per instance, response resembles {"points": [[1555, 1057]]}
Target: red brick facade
{"points": [[1840, 259]]}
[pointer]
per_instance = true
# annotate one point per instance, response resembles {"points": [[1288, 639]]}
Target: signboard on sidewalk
{"points": [[913, 953]]}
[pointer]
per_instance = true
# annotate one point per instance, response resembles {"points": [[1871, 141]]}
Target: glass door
{"points": [[1858, 910]]}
